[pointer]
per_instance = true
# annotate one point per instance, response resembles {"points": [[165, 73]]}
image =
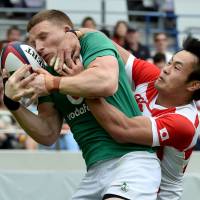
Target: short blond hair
{"points": [[54, 16]]}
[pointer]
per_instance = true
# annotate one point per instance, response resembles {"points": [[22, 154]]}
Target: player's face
{"points": [[46, 37], [173, 77]]}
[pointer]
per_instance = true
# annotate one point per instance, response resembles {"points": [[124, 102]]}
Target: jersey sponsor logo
{"points": [[78, 111], [75, 100], [164, 134], [140, 101]]}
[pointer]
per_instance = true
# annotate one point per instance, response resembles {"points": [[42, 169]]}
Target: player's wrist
{"points": [[10, 104], [78, 33], [52, 83]]}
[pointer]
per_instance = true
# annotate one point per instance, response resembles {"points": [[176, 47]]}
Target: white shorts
{"points": [[135, 176]]}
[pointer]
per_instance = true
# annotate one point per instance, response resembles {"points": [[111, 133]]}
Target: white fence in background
{"points": [[44, 175]]}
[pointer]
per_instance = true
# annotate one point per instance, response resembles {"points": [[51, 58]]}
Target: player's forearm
{"points": [[123, 52], [34, 126], [87, 85], [93, 82], [120, 127]]}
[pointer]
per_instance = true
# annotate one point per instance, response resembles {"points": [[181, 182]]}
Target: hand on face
{"points": [[16, 86], [67, 62]]}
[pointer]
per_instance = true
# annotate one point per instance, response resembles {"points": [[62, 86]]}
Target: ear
{"points": [[67, 28], [193, 86]]}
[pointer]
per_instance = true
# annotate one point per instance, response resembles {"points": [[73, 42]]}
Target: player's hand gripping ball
{"points": [[16, 54]]}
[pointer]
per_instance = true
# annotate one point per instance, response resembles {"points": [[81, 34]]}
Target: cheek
{"points": [[177, 83], [54, 41]]}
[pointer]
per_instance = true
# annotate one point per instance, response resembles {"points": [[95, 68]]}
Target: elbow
{"points": [[47, 140], [110, 88]]}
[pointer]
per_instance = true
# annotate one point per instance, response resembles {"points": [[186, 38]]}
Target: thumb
{"points": [[5, 75]]}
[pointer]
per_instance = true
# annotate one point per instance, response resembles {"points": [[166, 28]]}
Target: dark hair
{"points": [[54, 16], [117, 25], [159, 57], [88, 19], [106, 32], [132, 30], [192, 45]]}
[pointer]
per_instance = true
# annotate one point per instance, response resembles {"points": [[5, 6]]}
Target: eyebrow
{"points": [[42, 33], [179, 63], [176, 62], [39, 35]]}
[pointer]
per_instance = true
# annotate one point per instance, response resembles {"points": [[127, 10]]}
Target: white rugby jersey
{"points": [[175, 129]]}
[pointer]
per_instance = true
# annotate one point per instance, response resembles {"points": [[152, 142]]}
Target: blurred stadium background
{"points": [[32, 171]]}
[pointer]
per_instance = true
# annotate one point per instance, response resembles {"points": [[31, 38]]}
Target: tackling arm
{"points": [[99, 80], [123, 129], [171, 129]]}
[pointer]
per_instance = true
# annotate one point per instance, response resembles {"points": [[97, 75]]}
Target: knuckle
{"points": [[11, 82]]}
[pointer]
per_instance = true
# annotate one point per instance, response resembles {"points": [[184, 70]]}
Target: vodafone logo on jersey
{"points": [[75, 100], [164, 135]]}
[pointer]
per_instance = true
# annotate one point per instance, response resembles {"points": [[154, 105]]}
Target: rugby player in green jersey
{"points": [[115, 171]]}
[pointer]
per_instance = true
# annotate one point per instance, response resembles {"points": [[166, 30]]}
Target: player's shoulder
{"points": [[95, 40], [189, 111], [136, 62], [91, 35], [186, 115]]}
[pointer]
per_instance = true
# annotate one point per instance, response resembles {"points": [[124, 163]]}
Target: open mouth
{"points": [[160, 78]]}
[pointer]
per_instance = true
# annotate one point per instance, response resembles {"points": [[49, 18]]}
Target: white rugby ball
{"points": [[16, 54]]}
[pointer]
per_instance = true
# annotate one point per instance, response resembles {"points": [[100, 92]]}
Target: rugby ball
{"points": [[16, 54]]}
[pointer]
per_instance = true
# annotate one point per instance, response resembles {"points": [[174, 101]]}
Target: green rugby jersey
{"points": [[94, 141]]}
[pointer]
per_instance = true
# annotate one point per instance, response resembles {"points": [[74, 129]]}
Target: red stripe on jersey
{"points": [[143, 72], [151, 91], [157, 112], [196, 121], [188, 153]]}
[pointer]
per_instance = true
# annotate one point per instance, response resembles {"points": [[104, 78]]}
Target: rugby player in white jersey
{"points": [[170, 119]]}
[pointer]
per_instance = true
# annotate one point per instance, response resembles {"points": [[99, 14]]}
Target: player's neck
{"points": [[172, 101]]}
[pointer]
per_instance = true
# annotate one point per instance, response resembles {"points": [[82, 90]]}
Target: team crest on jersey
{"points": [[75, 100], [140, 101]]}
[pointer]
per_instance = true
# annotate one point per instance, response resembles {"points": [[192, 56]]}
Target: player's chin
{"points": [[158, 85]]}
